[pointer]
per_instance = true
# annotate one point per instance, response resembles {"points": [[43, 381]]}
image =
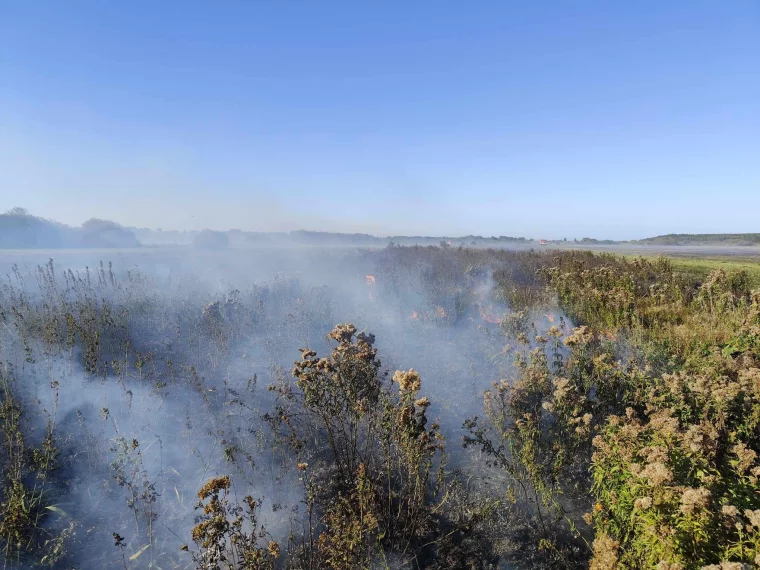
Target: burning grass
{"points": [[619, 426]]}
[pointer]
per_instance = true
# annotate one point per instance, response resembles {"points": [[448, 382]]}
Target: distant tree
{"points": [[210, 239], [98, 225], [105, 233], [17, 211]]}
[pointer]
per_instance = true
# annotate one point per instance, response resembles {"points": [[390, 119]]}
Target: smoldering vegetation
{"points": [[136, 388], [422, 407]]}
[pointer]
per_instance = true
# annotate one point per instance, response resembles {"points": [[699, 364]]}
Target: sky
{"points": [[557, 119]]}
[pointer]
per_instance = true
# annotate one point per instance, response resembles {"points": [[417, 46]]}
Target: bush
{"points": [[372, 467]]}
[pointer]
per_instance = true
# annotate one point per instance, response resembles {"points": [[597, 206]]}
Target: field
{"points": [[699, 269], [696, 262], [402, 407]]}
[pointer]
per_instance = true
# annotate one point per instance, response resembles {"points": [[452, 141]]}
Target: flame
{"points": [[370, 279], [487, 316], [441, 312], [415, 316], [550, 317]]}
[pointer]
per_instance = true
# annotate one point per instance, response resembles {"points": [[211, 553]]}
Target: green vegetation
{"points": [[698, 269], [703, 239], [673, 455], [25, 477]]}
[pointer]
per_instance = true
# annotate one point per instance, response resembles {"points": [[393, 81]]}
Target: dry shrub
{"points": [[372, 464], [228, 535]]}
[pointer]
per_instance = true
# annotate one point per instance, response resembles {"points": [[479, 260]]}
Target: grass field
{"points": [[699, 267]]}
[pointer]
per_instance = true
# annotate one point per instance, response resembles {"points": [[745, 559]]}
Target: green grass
{"points": [[698, 268]]}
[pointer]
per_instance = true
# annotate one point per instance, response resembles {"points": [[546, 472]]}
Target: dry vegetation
{"points": [[133, 433]]}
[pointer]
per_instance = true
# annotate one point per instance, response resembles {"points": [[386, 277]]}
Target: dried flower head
{"points": [[605, 553], [665, 565], [642, 503], [408, 381], [753, 516], [214, 486], [693, 500], [730, 511], [581, 335], [746, 457], [657, 474]]}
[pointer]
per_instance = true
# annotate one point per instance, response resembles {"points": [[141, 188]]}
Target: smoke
{"points": [[162, 383]]}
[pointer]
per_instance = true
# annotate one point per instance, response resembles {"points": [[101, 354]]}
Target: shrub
{"points": [[372, 466]]}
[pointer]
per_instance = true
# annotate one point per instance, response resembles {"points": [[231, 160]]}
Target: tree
{"points": [[209, 239], [17, 211]]}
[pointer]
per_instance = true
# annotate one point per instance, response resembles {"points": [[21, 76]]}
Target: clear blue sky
{"points": [[545, 119]]}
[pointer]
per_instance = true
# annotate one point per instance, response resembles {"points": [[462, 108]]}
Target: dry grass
{"points": [[630, 440]]}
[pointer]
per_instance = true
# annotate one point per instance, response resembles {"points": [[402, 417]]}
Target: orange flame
{"points": [[370, 279], [487, 316], [441, 312], [550, 317], [414, 316]]}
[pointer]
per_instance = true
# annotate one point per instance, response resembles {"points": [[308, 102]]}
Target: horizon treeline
{"points": [[21, 230]]}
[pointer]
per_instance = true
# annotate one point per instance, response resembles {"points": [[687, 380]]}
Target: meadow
{"points": [[700, 268], [403, 407]]}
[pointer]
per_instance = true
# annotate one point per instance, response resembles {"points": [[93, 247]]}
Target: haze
{"points": [[608, 120]]}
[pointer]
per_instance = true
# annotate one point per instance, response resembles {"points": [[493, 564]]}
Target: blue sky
{"points": [[544, 119]]}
